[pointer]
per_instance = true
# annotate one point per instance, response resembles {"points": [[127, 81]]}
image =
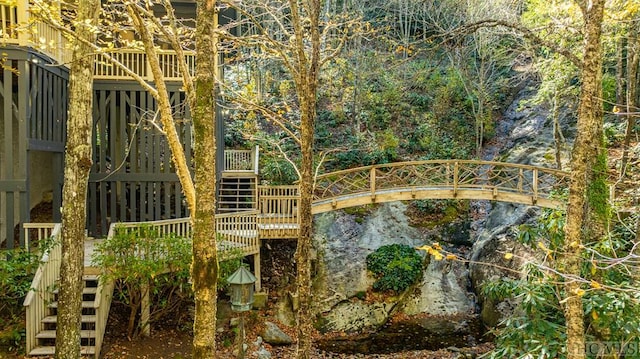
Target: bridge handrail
{"points": [[538, 182], [398, 164]]}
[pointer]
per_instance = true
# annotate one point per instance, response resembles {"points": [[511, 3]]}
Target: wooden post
{"points": [[520, 180], [256, 270], [535, 186], [23, 19], [455, 178], [372, 183], [145, 311]]}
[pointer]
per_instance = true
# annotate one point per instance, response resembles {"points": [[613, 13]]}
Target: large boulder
{"points": [[341, 287]]}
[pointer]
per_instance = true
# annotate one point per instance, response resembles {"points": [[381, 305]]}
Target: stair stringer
{"points": [[102, 307]]}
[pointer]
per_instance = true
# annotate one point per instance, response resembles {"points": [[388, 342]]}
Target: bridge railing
{"points": [[451, 174]]}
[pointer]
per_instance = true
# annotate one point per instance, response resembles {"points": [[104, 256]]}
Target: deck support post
{"points": [[145, 311], [256, 270]]}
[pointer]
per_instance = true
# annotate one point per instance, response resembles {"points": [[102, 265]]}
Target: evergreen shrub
{"points": [[397, 266]]}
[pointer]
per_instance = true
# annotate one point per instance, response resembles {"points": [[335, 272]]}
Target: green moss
{"points": [[598, 191]]}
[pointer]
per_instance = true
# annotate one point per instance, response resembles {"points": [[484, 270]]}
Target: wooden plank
{"points": [[9, 217], [7, 171], [45, 95], [122, 160], [105, 103], [23, 157], [115, 150], [13, 185], [92, 205], [58, 173], [46, 146]]}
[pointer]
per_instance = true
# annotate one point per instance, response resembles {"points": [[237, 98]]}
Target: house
{"points": [[132, 178]]}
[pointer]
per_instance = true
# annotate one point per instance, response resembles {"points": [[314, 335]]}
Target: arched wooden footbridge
{"points": [[275, 215], [461, 179]]}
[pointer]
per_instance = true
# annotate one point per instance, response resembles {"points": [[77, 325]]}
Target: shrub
{"points": [[17, 268], [142, 257], [397, 266]]}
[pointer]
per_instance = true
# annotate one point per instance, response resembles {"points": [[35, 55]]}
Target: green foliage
{"points": [[397, 266], [537, 327], [17, 268], [229, 263], [608, 91], [277, 171], [139, 257]]}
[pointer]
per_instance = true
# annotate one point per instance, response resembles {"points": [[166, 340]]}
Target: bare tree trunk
{"points": [[178, 157], [204, 270], [306, 88], [586, 149], [633, 60], [76, 176]]}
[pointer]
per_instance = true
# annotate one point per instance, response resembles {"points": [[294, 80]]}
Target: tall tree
{"points": [[295, 34], [588, 147], [204, 270], [76, 176], [308, 66], [201, 98]]}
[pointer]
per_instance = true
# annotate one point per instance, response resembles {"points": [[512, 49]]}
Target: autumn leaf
{"points": [[508, 255]]}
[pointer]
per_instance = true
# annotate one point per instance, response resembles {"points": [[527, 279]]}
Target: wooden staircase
{"points": [[41, 302], [46, 338], [237, 194]]}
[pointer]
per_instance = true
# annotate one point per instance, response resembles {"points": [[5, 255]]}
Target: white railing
{"points": [[9, 18], [38, 230], [278, 207], [18, 28], [137, 62], [241, 160], [42, 286], [102, 305], [238, 231]]}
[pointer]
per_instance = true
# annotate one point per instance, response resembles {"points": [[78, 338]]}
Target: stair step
{"points": [[54, 319], [51, 350], [85, 290], [51, 334], [85, 304]]}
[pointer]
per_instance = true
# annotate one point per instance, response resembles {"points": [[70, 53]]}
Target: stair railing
{"points": [[102, 304], [41, 293], [39, 230]]}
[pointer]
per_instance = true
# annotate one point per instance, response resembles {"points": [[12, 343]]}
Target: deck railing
{"points": [[278, 207], [241, 160], [18, 28], [236, 230], [137, 62], [42, 286]]}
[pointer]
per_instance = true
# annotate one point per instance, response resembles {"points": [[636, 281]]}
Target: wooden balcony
{"points": [[18, 28]]}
